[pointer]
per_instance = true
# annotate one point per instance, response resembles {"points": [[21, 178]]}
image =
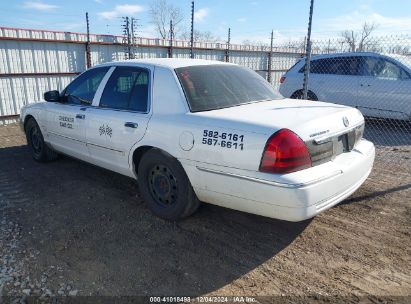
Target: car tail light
{"points": [[285, 152], [282, 79]]}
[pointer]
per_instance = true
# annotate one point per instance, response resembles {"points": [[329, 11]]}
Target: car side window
{"points": [[320, 66], [349, 66], [335, 66], [127, 89], [82, 89], [381, 68]]}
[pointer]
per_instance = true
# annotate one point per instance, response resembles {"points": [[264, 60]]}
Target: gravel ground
{"points": [[70, 229]]}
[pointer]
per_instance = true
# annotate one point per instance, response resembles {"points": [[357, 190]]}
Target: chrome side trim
{"points": [[271, 183], [328, 137], [88, 143], [105, 148], [66, 137]]}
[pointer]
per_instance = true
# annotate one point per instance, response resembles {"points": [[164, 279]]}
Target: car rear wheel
{"points": [[300, 95], [165, 186], [38, 148]]}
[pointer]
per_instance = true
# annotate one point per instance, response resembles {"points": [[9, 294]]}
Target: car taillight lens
{"points": [[285, 152], [282, 79]]}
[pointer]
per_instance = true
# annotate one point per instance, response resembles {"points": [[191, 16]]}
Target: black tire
{"points": [[35, 140], [300, 95], [165, 187]]}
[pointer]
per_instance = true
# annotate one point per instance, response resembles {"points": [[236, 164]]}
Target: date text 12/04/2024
{"points": [[223, 139]]}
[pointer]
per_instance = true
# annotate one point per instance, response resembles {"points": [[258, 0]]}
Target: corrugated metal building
{"points": [[35, 61]]}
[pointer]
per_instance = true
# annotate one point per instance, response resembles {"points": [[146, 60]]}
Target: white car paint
{"points": [[375, 96], [221, 176]]}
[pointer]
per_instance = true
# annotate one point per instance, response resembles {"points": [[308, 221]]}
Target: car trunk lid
{"points": [[327, 129]]}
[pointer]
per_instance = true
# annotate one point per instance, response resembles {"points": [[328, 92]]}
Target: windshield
{"points": [[211, 87]]}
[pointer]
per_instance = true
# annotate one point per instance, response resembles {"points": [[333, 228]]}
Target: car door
{"points": [[385, 89], [65, 120], [120, 118]]}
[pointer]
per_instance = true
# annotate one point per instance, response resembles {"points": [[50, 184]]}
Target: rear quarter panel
{"points": [[293, 81], [201, 141]]}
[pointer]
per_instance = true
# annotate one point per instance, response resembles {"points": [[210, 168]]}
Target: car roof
{"points": [[346, 54], [403, 60], [171, 63]]}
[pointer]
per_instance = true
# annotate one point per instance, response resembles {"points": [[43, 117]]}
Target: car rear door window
{"points": [[82, 89], [335, 66], [321, 66], [127, 89]]}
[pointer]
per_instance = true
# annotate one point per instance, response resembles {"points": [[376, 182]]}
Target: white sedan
{"points": [[194, 130]]}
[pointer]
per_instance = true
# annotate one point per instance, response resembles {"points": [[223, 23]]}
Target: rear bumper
{"points": [[292, 197]]}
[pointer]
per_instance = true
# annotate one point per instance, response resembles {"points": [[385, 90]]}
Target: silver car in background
{"points": [[378, 85]]}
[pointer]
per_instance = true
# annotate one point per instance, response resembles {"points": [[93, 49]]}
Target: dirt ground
{"points": [[69, 228]]}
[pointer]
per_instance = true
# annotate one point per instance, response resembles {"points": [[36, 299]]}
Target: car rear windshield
{"points": [[211, 87]]}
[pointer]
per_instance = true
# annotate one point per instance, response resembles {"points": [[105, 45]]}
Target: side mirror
{"points": [[52, 96]]}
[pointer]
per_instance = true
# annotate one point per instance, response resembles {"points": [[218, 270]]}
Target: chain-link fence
{"points": [[374, 77]]}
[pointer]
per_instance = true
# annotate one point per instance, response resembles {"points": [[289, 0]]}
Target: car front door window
{"points": [[384, 69], [82, 90]]}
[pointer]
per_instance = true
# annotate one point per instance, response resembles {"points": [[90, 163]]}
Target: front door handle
{"points": [[80, 116], [129, 124]]}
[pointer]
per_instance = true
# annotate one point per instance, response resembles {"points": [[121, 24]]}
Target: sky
{"points": [[251, 20]]}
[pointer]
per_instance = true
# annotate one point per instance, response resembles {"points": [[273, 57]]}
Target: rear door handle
{"points": [[129, 124], [80, 116]]}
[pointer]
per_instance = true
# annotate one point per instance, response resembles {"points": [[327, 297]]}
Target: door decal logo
{"points": [[105, 130], [66, 122]]}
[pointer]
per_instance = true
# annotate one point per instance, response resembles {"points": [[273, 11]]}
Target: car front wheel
{"points": [[165, 187], [38, 148]]}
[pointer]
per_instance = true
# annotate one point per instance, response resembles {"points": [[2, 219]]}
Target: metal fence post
{"points": [[88, 53], [170, 49], [127, 38], [227, 51], [192, 31], [132, 24], [270, 56], [308, 53]]}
